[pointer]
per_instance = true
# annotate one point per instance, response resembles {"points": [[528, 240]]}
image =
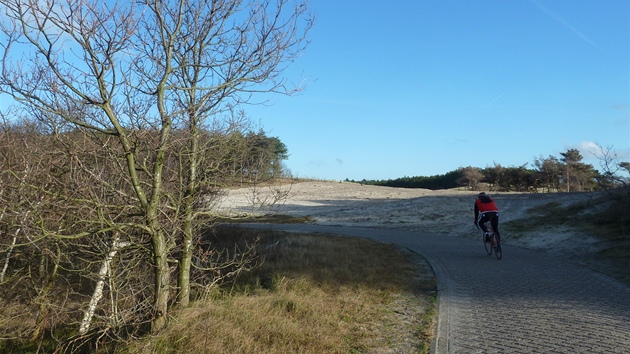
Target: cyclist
{"points": [[486, 210]]}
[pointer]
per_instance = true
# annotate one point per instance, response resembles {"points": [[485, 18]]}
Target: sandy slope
{"points": [[450, 211]]}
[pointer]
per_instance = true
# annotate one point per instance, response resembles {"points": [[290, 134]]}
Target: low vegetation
{"points": [[309, 294], [605, 216]]}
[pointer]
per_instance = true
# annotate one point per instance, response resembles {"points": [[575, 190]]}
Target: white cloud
{"points": [[595, 153], [589, 149]]}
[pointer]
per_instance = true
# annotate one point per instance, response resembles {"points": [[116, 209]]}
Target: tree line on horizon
{"points": [[566, 173]]}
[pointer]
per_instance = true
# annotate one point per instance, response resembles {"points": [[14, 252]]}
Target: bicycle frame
{"points": [[494, 244]]}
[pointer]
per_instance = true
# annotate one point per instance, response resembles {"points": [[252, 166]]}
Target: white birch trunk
{"points": [[9, 252], [100, 284]]}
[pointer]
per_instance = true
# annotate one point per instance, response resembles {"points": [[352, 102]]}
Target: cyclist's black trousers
{"points": [[491, 216]]}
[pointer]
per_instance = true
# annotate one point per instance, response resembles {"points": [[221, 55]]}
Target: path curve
{"points": [[528, 302]]}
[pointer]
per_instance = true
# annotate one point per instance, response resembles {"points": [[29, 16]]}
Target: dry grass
{"points": [[313, 294]]}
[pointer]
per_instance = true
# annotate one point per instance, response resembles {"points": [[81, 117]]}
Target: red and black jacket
{"points": [[484, 204]]}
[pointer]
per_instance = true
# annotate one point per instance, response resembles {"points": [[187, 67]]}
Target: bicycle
{"points": [[493, 244]]}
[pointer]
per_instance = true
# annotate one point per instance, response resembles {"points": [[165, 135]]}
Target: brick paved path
{"points": [[528, 302]]}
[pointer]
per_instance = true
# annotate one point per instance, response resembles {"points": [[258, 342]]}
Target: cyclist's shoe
{"points": [[486, 237]]}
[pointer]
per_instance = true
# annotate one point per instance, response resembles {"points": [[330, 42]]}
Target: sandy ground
{"points": [[446, 211]]}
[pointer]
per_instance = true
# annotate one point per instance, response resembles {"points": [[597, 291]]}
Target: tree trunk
{"points": [[100, 284], [183, 280], [161, 283], [8, 257], [185, 262], [42, 312], [10, 251]]}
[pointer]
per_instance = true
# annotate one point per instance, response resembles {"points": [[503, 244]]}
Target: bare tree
{"points": [[215, 61], [611, 167], [132, 75], [471, 176]]}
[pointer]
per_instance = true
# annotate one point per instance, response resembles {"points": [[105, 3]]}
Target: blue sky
{"points": [[421, 87]]}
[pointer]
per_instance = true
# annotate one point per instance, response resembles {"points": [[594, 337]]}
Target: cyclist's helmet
{"points": [[482, 194]]}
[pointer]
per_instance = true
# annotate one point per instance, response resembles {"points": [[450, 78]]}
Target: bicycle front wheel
{"points": [[488, 246], [497, 248]]}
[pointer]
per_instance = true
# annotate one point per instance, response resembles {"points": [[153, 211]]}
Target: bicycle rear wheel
{"points": [[497, 248]]}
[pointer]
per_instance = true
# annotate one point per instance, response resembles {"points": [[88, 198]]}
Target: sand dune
{"points": [[444, 211]]}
